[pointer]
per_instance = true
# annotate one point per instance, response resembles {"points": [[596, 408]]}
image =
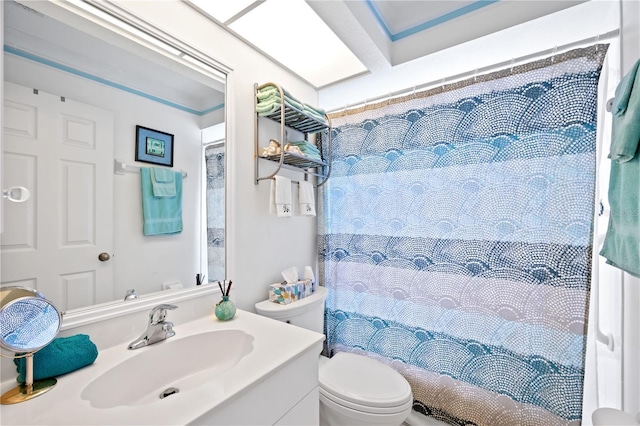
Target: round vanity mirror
{"points": [[28, 322]]}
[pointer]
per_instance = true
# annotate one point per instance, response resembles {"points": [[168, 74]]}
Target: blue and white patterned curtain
{"points": [[456, 240], [214, 163]]}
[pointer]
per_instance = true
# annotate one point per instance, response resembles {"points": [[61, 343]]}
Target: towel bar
{"points": [[120, 168], [292, 181]]}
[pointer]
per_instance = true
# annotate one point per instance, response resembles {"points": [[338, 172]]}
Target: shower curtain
{"points": [[215, 194], [456, 236]]}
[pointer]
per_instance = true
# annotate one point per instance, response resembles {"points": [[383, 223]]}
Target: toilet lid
{"points": [[364, 381]]}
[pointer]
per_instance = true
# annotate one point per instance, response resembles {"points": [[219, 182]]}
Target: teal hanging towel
{"points": [[162, 205], [621, 245]]}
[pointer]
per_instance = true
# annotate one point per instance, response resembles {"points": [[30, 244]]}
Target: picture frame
{"points": [[154, 146]]}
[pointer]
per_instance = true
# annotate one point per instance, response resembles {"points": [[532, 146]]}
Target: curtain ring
{"points": [[414, 92], [442, 83], [475, 75], [553, 55], [513, 60]]}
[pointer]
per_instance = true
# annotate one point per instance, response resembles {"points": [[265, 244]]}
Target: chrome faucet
{"points": [[157, 330], [131, 294]]}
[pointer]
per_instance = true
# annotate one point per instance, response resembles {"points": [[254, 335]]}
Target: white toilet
{"points": [[354, 389]]}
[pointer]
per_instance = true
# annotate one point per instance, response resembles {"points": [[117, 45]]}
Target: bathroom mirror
{"points": [[90, 82]]}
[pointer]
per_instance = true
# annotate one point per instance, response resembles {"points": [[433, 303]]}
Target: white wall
{"points": [[139, 262]]}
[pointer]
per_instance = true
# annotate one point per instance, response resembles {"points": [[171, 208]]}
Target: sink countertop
{"points": [[275, 344]]}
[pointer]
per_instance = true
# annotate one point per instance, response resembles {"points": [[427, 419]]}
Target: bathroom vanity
{"points": [[250, 370]]}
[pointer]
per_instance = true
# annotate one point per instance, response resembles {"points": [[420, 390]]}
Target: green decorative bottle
{"points": [[225, 309]]}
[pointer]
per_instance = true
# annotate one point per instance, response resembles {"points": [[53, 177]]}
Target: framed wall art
{"points": [[154, 146]]}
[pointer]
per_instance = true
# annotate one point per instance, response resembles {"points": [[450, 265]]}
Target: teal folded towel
{"points": [[316, 110], [621, 245], [268, 108], [163, 182], [267, 92], [293, 102], [305, 146], [160, 215], [270, 94], [308, 149], [63, 355]]}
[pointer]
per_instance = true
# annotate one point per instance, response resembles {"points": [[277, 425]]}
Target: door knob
{"points": [[104, 257], [17, 194]]}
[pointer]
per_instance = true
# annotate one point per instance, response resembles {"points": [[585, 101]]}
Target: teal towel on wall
{"points": [[160, 215], [63, 355], [163, 182], [625, 133], [621, 245]]}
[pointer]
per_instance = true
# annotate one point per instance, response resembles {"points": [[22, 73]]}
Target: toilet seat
{"points": [[364, 384]]}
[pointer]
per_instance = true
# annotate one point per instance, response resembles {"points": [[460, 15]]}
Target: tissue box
{"points": [[285, 293]]}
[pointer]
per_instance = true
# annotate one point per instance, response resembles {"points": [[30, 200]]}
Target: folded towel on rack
{"points": [[270, 90], [318, 114], [293, 102], [273, 98], [306, 199], [306, 146], [163, 182], [280, 198], [266, 98], [160, 215], [267, 92], [268, 109], [316, 110], [308, 149], [63, 355]]}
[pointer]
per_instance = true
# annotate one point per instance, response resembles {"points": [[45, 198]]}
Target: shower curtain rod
{"points": [[501, 65]]}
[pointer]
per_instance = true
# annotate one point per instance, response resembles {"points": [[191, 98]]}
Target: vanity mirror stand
{"points": [[28, 322]]}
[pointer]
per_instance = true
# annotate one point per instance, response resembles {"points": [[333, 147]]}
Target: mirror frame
{"points": [[77, 13]]}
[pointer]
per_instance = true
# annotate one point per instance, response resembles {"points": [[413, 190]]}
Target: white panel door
{"points": [[62, 151]]}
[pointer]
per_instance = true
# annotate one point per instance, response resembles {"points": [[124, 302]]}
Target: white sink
{"points": [[220, 368], [183, 363]]}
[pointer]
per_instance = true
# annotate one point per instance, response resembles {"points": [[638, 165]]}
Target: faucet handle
{"points": [[167, 327], [159, 313]]}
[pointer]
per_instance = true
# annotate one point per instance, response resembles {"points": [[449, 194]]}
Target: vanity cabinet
{"points": [[286, 397], [291, 115]]}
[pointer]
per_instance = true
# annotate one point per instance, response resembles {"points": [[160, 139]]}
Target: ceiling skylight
{"points": [[291, 33], [222, 10]]}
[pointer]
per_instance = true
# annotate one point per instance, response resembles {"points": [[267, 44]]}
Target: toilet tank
{"points": [[306, 313]]}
